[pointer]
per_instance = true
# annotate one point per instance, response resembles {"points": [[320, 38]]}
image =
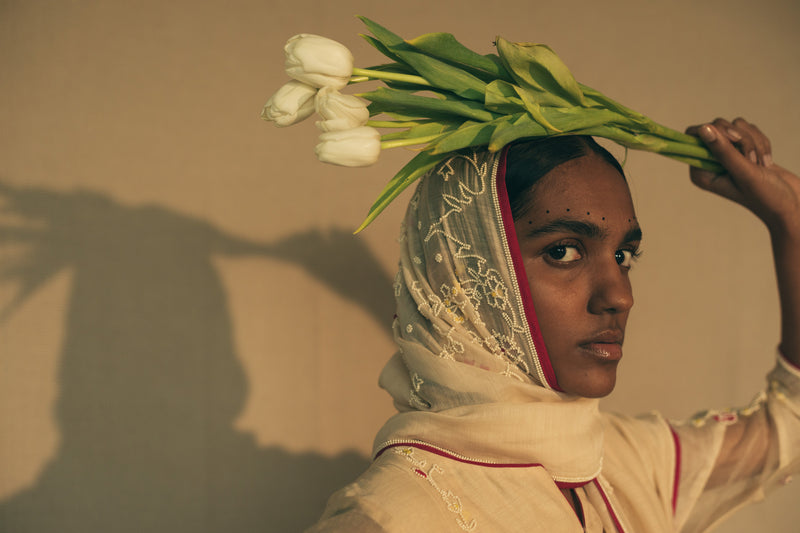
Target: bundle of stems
{"points": [[440, 96]]}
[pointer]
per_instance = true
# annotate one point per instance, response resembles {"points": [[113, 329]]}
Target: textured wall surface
{"points": [[190, 336]]}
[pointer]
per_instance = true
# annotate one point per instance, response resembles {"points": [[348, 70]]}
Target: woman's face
{"points": [[578, 239]]}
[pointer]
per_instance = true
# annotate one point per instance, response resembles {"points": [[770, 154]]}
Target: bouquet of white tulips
{"points": [[441, 97]]}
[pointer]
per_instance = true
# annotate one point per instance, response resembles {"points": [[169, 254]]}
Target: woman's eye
{"points": [[564, 253], [624, 258]]}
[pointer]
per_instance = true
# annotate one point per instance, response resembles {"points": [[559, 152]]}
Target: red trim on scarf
{"points": [[608, 506], [677, 442], [522, 276], [442, 453]]}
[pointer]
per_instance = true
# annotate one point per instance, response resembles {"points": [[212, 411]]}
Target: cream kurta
{"points": [[413, 489], [483, 439]]}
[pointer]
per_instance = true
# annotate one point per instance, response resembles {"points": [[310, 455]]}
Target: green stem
{"points": [[697, 156], [669, 133], [393, 124], [409, 142], [391, 76], [650, 142]]}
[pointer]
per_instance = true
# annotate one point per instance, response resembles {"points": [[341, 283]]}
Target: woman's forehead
{"points": [[581, 186]]}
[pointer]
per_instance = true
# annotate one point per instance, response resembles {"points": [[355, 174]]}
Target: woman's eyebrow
{"points": [[583, 228], [634, 234], [568, 225]]}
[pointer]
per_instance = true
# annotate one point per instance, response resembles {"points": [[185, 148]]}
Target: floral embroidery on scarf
{"points": [[398, 283], [414, 398], [476, 283], [452, 501]]}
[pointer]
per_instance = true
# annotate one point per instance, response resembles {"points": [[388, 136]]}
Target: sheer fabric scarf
{"points": [[471, 375]]}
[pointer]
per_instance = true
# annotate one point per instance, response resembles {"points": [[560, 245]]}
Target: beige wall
{"points": [[192, 337]]}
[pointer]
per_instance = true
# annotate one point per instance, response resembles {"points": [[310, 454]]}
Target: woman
{"points": [[512, 300]]}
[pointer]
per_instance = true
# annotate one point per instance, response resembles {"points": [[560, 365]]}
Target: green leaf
{"points": [[411, 104], [444, 46], [437, 72], [535, 110], [399, 68], [595, 98], [412, 171], [421, 130], [502, 97], [536, 66], [521, 127], [467, 135], [380, 47], [579, 118], [405, 118]]}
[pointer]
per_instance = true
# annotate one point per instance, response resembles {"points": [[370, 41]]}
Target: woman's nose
{"points": [[611, 289]]}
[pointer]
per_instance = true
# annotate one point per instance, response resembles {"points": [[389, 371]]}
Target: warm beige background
{"points": [[191, 337]]}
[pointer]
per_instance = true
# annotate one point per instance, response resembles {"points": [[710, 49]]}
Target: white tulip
{"points": [[290, 104], [318, 61], [340, 111], [357, 147]]}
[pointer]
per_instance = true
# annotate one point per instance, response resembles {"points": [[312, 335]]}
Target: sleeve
{"points": [[346, 514], [734, 457]]}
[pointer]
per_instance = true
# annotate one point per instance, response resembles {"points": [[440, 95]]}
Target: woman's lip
{"points": [[609, 336], [607, 351]]}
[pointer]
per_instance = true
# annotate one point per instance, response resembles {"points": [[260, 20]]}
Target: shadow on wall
{"points": [[149, 379]]}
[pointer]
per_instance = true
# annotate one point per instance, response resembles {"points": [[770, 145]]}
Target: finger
{"points": [[762, 146], [722, 125], [741, 137], [726, 153], [728, 129]]}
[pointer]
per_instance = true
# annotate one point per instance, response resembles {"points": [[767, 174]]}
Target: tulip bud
{"points": [[318, 61], [358, 147], [340, 111], [290, 104]]}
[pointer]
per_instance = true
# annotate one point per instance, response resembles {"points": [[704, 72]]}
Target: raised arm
{"points": [[772, 193]]}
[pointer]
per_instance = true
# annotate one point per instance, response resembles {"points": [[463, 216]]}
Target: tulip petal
{"points": [[318, 61], [340, 111], [357, 147], [290, 104]]}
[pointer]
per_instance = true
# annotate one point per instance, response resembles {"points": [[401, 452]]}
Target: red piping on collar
{"points": [[608, 506], [522, 276], [677, 479], [443, 453]]}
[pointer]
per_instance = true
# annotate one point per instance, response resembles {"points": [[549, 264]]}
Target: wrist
{"points": [[784, 230]]}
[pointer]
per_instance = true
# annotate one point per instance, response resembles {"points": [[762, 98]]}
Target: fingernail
{"points": [[768, 160], [752, 156], [707, 133], [733, 135]]}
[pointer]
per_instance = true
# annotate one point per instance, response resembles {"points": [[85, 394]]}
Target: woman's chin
{"points": [[592, 385]]}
